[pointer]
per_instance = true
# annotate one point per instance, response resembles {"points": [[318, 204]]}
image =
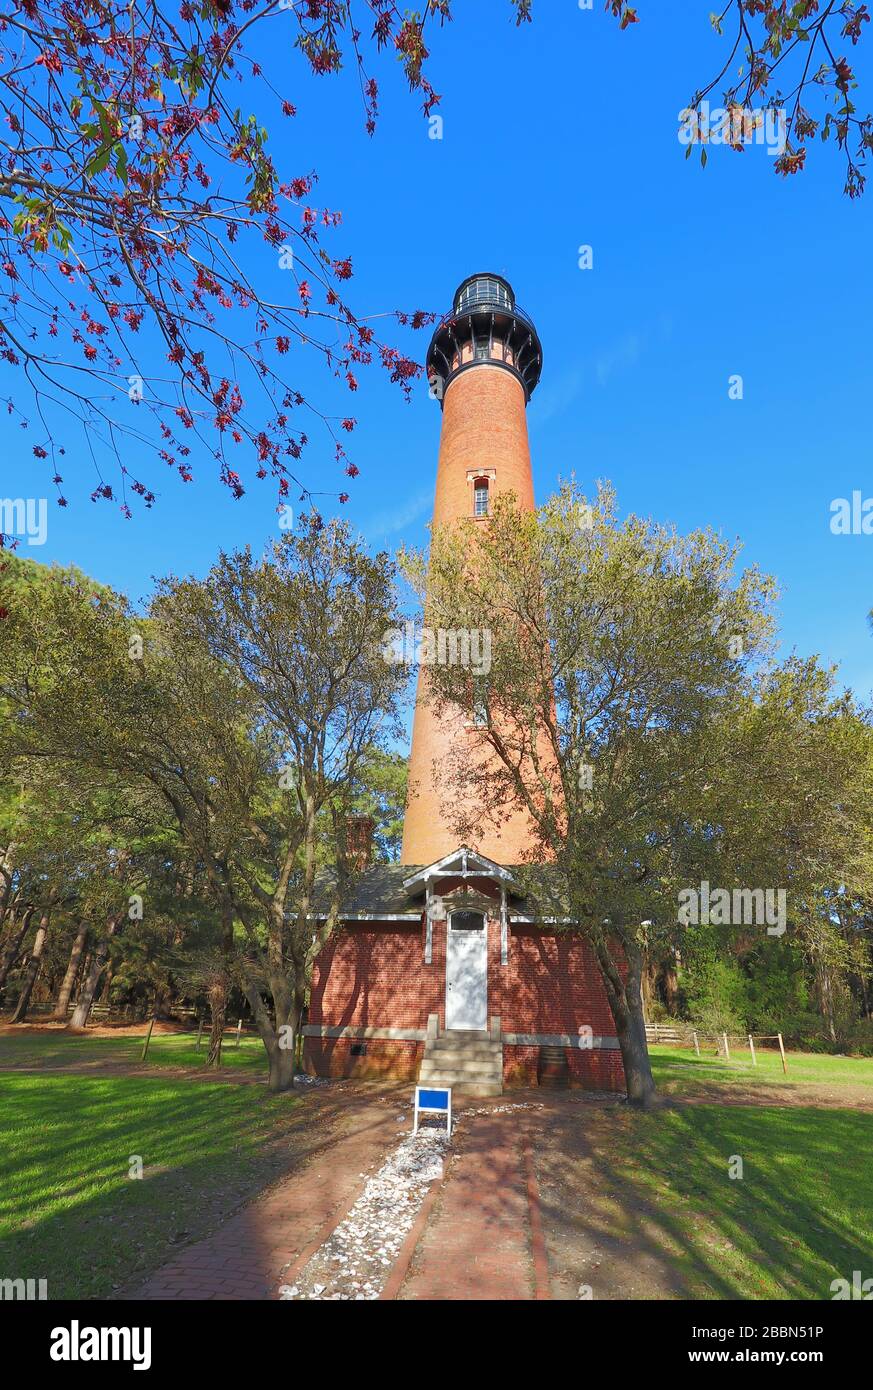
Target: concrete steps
{"points": [[468, 1062]]}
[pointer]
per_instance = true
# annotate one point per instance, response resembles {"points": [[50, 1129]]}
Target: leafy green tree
{"points": [[302, 629], [241, 717], [633, 708], [383, 781]]}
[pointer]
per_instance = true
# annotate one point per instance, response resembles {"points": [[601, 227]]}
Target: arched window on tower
{"points": [[480, 497]]}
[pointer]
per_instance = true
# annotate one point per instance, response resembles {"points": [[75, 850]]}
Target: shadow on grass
{"points": [[70, 1212], [60, 1050], [652, 1195]]}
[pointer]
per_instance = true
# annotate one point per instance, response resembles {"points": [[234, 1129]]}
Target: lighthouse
{"points": [[483, 365], [459, 966]]}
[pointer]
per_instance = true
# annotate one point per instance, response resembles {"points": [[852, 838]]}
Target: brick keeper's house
{"points": [[455, 965]]}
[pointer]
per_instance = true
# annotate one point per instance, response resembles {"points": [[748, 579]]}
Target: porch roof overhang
{"points": [[463, 863], [401, 893]]}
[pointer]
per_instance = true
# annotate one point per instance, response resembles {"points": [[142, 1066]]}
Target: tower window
{"points": [[480, 497], [482, 352], [484, 290]]}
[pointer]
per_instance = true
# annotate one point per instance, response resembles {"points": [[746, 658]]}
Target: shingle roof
{"points": [[380, 892]]}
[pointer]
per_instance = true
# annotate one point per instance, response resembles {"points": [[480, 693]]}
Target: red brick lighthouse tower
{"points": [[484, 362], [460, 966]]}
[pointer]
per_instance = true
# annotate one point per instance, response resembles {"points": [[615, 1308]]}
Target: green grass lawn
{"points": [[799, 1217], [54, 1049], [676, 1067], [652, 1192], [656, 1183], [70, 1213]]}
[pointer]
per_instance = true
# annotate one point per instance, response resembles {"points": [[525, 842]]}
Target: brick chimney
{"points": [[483, 363], [359, 840]]}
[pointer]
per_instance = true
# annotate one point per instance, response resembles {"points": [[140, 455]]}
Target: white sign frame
{"points": [[433, 1110]]}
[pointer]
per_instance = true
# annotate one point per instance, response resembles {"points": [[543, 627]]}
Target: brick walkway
{"points": [[477, 1241], [245, 1258], [479, 1236]]}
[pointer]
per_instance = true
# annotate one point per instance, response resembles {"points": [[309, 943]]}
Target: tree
{"points": [[232, 730], [72, 971], [790, 54], [303, 629], [136, 186], [382, 780], [19, 924], [633, 708]]}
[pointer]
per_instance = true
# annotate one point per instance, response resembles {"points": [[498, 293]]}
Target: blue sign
{"points": [[433, 1101]]}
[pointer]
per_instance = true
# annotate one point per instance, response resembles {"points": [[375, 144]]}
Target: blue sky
{"points": [[557, 135]]}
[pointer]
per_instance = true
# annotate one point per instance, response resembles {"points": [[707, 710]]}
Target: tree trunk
{"points": [[865, 1002], [13, 946], [671, 987], [89, 985], [32, 970], [218, 989], [639, 1082], [279, 1042], [649, 984], [826, 998], [7, 868], [281, 1075], [161, 1004], [66, 990], [218, 1010], [623, 990]]}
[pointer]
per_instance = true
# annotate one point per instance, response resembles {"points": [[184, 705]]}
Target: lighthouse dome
{"points": [[485, 327]]}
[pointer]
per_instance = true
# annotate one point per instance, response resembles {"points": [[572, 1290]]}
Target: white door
{"points": [[467, 971]]}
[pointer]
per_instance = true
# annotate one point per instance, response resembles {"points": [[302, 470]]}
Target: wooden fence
{"points": [[682, 1035]]}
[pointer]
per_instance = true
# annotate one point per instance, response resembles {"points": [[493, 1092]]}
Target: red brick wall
{"points": [[374, 976], [385, 1057], [484, 427], [551, 985], [371, 976], [599, 1069]]}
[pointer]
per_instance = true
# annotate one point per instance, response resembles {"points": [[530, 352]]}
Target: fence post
{"points": [[696, 1044], [148, 1038], [727, 1051], [752, 1047], [199, 1032], [782, 1050], [238, 1032]]}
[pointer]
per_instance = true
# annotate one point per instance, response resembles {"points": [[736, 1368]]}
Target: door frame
{"points": [[484, 915]]}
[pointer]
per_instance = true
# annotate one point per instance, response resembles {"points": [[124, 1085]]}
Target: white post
{"points": [[752, 1047], [428, 926], [782, 1050], [696, 1044], [238, 1032], [504, 927], [727, 1052]]}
